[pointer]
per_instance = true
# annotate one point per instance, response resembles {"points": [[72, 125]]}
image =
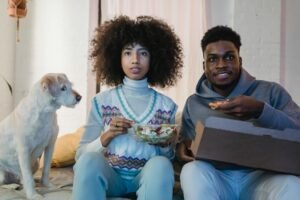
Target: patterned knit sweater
{"points": [[133, 100]]}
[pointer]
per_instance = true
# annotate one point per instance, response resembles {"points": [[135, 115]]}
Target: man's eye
{"points": [[211, 59], [229, 58]]}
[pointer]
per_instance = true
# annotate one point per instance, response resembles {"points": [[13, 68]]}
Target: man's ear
{"points": [[203, 65], [241, 61]]}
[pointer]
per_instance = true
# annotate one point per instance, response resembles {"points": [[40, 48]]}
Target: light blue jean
{"points": [[201, 181], [95, 179]]}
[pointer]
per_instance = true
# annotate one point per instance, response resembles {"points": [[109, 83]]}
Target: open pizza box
{"points": [[241, 143]]}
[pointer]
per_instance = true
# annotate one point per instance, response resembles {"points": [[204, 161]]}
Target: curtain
{"points": [[188, 20]]}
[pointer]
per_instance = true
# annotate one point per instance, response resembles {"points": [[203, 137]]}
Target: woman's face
{"points": [[135, 60]]}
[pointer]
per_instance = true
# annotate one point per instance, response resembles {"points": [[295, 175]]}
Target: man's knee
{"points": [[278, 187], [291, 187], [196, 168]]}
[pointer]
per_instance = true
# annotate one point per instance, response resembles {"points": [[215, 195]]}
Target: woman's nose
{"points": [[135, 58]]}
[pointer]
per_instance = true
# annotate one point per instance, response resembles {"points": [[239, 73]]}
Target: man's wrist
{"points": [[259, 110]]}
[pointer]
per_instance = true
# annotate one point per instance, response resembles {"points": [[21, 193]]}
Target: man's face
{"points": [[222, 66]]}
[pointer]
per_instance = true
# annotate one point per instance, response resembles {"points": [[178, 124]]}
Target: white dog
{"points": [[31, 130]]}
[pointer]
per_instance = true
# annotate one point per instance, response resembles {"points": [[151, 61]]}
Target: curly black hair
{"points": [[218, 33], [156, 35]]}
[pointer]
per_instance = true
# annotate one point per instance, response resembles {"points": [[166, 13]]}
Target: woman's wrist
{"points": [[106, 137]]}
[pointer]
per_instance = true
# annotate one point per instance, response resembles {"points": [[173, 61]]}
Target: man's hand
{"points": [[183, 153], [243, 107]]}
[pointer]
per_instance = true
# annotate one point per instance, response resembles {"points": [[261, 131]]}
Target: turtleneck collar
{"points": [[135, 85]]}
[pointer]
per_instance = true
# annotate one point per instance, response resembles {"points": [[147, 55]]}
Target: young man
{"points": [[227, 90]]}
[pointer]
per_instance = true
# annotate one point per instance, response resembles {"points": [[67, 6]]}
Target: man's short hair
{"points": [[218, 33]]}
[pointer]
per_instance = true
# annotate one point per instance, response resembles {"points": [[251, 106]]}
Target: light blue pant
{"points": [[201, 181], [96, 179]]}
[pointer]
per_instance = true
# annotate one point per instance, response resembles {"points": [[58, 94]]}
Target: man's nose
{"points": [[221, 63]]}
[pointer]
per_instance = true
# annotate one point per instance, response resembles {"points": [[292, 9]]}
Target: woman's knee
{"points": [[156, 179], [89, 163], [158, 166]]}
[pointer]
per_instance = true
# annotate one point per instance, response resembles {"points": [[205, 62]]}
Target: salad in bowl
{"points": [[156, 134]]}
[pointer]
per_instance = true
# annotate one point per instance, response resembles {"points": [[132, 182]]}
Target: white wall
{"points": [[188, 25], [270, 37], [219, 12], [291, 48], [54, 38], [7, 59], [259, 26]]}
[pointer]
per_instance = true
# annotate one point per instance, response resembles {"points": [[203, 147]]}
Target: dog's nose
{"points": [[78, 97]]}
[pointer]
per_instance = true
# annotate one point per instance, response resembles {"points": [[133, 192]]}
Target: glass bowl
{"points": [[155, 134]]}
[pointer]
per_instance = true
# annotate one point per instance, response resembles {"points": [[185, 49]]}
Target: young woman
{"points": [[129, 55]]}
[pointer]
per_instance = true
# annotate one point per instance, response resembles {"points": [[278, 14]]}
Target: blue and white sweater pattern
{"points": [[126, 152]]}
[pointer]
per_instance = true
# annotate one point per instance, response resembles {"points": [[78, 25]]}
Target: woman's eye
{"points": [[144, 53], [63, 88], [126, 53]]}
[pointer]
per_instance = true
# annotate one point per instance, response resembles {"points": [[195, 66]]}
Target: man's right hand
{"points": [[242, 107]]}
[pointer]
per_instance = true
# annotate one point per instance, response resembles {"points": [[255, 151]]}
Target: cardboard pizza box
{"points": [[241, 143]]}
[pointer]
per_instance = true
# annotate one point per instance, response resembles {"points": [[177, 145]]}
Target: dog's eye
{"points": [[64, 88]]}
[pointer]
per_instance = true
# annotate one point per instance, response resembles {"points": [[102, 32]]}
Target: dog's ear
{"points": [[62, 78], [49, 83]]}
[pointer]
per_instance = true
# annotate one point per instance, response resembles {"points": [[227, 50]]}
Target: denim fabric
{"points": [[95, 179], [201, 180]]}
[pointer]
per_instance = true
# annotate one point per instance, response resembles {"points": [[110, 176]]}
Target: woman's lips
{"points": [[135, 70]]}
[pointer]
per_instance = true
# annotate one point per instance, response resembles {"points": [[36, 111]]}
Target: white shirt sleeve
{"points": [[90, 140]]}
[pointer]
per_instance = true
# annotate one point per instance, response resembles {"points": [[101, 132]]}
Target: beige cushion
{"points": [[65, 149]]}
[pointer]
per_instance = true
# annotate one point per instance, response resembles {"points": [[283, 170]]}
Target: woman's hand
{"points": [[118, 126]]}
